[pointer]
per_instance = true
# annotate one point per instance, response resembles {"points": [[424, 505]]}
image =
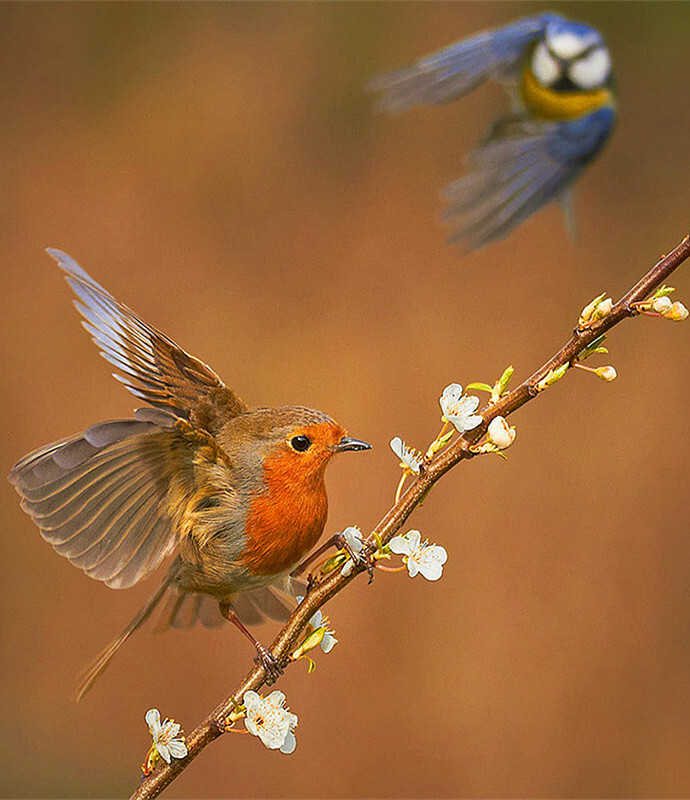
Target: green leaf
{"points": [[479, 387], [504, 380]]}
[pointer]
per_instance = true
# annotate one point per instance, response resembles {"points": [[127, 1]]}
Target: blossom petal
{"points": [[451, 394], [414, 538], [251, 699], [328, 642], [289, 744], [397, 447], [153, 719], [315, 621], [353, 536], [163, 750], [399, 545], [271, 737], [178, 749], [470, 404], [275, 699], [412, 567]]}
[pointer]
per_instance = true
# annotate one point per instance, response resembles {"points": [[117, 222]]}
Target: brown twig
{"points": [[213, 726]]}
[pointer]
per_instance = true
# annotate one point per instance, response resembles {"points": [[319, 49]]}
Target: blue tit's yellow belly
{"points": [[547, 103]]}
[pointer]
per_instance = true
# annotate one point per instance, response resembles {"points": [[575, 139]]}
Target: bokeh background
{"points": [[218, 168]]}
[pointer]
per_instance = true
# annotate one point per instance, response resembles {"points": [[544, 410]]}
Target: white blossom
{"points": [[267, 719], [318, 620], [420, 557], [353, 537], [458, 409], [164, 736], [500, 433], [410, 458]]}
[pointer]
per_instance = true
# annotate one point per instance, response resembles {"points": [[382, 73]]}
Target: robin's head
{"points": [[294, 440]]}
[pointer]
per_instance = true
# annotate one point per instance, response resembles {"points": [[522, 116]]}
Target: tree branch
{"points": [[213, 725]]}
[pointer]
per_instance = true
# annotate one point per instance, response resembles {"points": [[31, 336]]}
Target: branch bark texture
{"points": [[285, 642]]}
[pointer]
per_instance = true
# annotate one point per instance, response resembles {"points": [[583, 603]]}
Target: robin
{"points": [[237, 493]]}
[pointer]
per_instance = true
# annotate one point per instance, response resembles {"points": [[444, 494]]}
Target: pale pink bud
{"points": [[500, 433], [606, 373]]}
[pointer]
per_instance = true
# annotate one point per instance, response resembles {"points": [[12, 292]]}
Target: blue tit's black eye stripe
{"points": [[300, 443]]}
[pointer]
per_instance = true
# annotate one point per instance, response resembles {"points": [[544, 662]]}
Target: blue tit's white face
{"points": [[571, 58]]}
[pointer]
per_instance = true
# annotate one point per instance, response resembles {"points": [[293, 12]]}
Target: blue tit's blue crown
{"points": [[568, 39]]}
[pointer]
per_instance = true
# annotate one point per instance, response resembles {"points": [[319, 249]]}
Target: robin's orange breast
{"points": [[284, 520]]}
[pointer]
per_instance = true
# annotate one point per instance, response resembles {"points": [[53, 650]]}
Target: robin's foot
{"points": [[360, 553], [269, 662]]}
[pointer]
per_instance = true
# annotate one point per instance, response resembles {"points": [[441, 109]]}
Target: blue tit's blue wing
{"points": [[523, 165], [455, 70]]}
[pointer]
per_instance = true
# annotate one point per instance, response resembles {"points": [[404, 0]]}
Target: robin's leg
{"points": [[340, 543], [264, 656]]}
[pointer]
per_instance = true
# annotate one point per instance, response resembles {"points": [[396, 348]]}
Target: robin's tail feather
{"points": [[93, 672], [276, 602]]}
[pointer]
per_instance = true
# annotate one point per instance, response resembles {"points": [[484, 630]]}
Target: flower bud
{"points": [[589, 309], [606, 373], [500, 433], [678, 312], [662, 305], [603, 309], [551, 377]]}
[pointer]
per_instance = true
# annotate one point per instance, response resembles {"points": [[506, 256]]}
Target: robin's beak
{"points": [[346, 443]]}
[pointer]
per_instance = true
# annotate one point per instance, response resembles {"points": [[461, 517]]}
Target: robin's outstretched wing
{"points": [[154, 368], [116, 499], [521, 167], [452, 72], [100, 497]]}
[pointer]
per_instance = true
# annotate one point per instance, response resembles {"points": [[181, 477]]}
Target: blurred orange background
{"points": [[218, 168]]}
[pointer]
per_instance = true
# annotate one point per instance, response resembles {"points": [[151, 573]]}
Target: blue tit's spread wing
{"points": [[523, 165], [459, 68], [154, 368]]}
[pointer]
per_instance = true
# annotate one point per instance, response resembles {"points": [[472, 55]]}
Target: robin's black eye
{"points": [[300, 443]]}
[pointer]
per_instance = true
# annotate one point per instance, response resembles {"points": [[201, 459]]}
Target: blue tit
{"points": [[558, 75]]}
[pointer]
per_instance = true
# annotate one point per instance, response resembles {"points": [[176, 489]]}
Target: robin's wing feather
{"points": [[520, 168], [452, 72], [106, 498], [100, 498], [153, 367]]}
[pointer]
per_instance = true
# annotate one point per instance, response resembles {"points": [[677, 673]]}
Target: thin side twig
{"points": [[213, 725]]}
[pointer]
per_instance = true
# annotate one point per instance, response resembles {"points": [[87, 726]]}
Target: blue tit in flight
{"points": [[559, 78]]}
